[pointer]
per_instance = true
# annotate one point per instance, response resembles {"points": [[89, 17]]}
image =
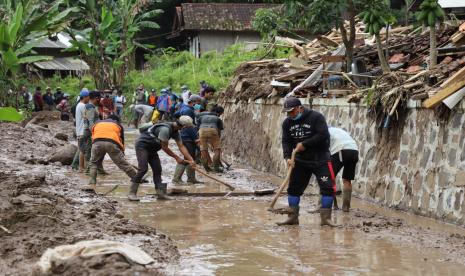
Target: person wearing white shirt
{"points": [[80, 126], [344, 154]]}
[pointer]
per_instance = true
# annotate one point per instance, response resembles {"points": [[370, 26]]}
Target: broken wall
{"points": [[418, 167]]}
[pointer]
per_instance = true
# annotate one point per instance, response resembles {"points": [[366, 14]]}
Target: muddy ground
{"points": [[41, 206]]}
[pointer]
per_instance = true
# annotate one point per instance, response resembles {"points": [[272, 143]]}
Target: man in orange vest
{"points": [[108, 137], [153, 98]]}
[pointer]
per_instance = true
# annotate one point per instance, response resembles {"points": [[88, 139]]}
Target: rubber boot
{"points": [[346, 197], [101, 171], [132, 196], [191, 176], [325, 215], [161, 191], [92, 181], [335, 205], [206, 166], [292, 218], [178, 172], [217, 168]]}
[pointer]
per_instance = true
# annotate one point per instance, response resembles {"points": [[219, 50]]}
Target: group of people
{"points": [[47, 101], [195, 125]]}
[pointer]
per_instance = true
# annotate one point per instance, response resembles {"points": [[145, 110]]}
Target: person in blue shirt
{"points": [[190, 138]]}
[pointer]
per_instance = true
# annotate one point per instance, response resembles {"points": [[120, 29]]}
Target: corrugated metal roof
{"points": [[48, 43], [63, 64], [452, 3]]}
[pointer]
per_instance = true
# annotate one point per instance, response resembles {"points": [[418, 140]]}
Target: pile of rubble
{"points": [[318, 67]]}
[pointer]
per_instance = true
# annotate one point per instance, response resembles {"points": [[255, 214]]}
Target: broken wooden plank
{"points": [[180, 192], [459, 75], [328, 41], [443, 93], [293, 75]]}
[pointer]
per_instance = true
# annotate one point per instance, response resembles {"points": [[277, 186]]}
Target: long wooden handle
{"points": [[214, 178], [284, 184]]}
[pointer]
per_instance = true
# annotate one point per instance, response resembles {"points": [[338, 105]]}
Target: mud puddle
{"points": [[230, 236]]}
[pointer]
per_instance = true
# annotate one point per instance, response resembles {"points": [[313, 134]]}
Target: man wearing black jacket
{"points": [[306, 132]]}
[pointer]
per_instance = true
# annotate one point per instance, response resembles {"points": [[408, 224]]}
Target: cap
{"points": [[58, 88], [185, 121], [291, 103], [48, 88], [84, 93], [194, 98], [184, 87]]}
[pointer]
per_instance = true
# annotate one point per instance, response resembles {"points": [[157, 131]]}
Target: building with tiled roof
{"points": [[215, 26]]}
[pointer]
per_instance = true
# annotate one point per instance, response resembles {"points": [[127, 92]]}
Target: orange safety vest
{"points": [[109, 131], [152, 100]]}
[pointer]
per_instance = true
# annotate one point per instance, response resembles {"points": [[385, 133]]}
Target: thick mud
{"points": [[234, 235], [41, 206]]}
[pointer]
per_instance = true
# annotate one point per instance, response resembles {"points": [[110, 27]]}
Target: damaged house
{"points": [[215, 26]]}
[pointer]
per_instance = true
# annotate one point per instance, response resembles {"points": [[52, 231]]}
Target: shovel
{"points": [[230, 187], [284, 184]]}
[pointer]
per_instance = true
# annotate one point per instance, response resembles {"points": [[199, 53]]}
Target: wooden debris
{"points": [[443, 93]]}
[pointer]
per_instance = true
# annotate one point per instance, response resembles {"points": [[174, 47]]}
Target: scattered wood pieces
{"points": [[443, 93]]}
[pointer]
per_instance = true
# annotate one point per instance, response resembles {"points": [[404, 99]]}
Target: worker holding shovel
{"points": [[305, 131], [147, 146]]}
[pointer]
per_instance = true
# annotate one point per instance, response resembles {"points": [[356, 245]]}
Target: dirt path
{"points": [[41, 207], [229, 236]]}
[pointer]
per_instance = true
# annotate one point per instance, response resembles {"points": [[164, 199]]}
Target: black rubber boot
{"points": [[206, 166], [346, 197], [161, 191], [191, 176], [292, 217], [217, 167], [132, 196], [325, 215]]}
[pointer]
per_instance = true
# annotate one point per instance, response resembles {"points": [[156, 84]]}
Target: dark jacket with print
{"points": [[312, 131]]}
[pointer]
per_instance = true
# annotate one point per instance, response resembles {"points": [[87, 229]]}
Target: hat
{"points": [[291, 103], [84, 93], [58, 88], [48, 88], [194, 98], [185, 121], [184, 87]]}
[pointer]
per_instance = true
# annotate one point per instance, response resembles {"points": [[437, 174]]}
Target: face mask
{"points": [[297, 117], [197, 107]]}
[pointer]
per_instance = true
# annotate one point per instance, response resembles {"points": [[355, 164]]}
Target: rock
{"points": [[61, 136], [64, 155]]}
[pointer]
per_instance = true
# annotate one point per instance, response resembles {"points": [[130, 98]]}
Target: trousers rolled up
{"points": [[100, 148]]}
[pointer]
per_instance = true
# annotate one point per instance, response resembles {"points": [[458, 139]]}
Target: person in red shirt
{"points": [[107, 106], [38, 101]]}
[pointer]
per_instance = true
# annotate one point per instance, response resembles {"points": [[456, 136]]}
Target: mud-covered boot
{"points": [[292, 217], [178, 172], [325, 215], [101, 171], [92, 181], [217, 168], [191, 176], [132, 196], [161, 191], [206, 166], [335, 205], [346, 197]]}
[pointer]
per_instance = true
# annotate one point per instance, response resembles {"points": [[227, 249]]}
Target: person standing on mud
{"points": [[147, 146], [108, 138], [190, 138], [48, 99], [210, 127], [206, 102], [80, 116], [305, 131], [344, 154], [91, 116], [38, 101]]}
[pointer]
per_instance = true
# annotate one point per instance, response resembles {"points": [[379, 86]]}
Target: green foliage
{"points": [[9, 114], [267, 22], [430, 13], [179, 68], [376, 15]]}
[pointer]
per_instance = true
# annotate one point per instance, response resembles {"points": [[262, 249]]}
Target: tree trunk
{"points": [[382, 58], [433, 55], [349, 38]]}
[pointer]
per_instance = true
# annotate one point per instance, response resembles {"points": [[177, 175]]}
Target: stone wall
{"points": [[418, 167]]}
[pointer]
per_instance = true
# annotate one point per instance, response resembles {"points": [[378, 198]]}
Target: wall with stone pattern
{"points": [[418, 167]]}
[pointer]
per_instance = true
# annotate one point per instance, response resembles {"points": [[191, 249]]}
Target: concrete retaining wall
{"points": [[419, 167]]}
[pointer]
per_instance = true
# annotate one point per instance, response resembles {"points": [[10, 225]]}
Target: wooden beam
{"points": [[291, 76], [443, 93], [459, 75]]}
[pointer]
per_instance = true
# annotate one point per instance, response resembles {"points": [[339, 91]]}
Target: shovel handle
{"points": [[214, 178], [284, 184]]}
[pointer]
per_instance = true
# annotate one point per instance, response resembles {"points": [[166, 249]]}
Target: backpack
{"points": [[164, 103], [155, 116]]}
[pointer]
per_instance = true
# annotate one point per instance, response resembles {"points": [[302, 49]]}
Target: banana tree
{"points": [[429, 15], [375, 16], [24, 25]]}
